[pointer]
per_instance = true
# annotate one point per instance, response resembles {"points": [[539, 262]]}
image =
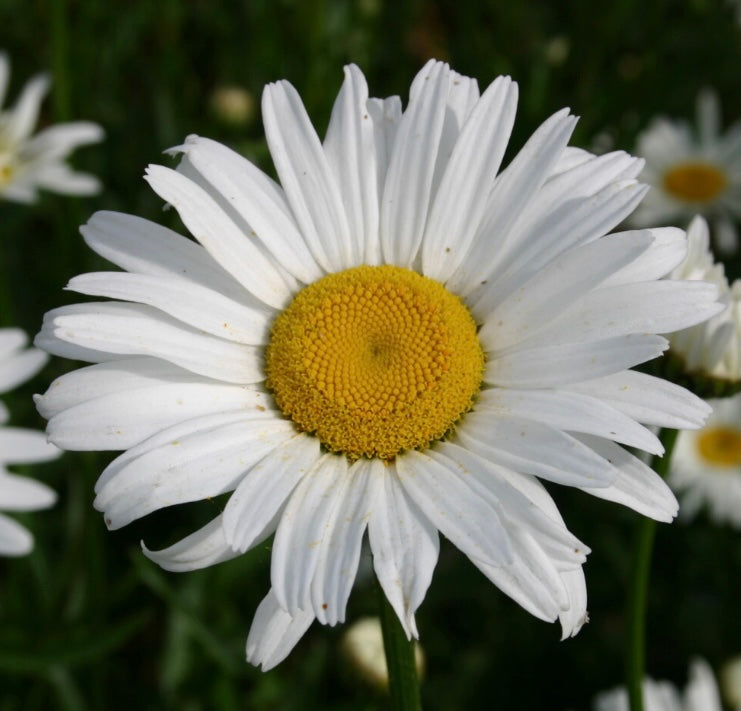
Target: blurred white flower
{"points": [[362, 644], [711, 348], [692, 172], [706, 465], [232, 104], [28, 162], [19, 446], [700, 694], [730, 681], [398, 339]]}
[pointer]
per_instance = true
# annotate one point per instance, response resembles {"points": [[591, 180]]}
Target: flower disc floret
{"points": [[375, 360]]}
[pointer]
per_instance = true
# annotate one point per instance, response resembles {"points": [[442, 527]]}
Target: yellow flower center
{"points": [[720, 446], [695, 182], [374, 360], [6, 174]]}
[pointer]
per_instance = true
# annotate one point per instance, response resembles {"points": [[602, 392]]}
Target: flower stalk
{"points": [[638, 585], [402, 670]]}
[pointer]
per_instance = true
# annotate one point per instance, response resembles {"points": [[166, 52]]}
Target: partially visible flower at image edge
{"points": [[700, 694], [396, 339], [20, 446], [706, 466], [30, 162], [708, 354], [692, 170]]}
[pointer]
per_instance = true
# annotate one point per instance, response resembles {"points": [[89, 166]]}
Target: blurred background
{"points": [[86, 622]]}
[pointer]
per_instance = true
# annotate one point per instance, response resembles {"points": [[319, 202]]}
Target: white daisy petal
{"points": [[495, 484], [59, 178], [11, 340], [654, 307], [306, 176], [15, 540], [21, 120], [142, 247], [16, 368], [405, 547], [102, 379], [251, 510], [536, 449], [574, 223], [22, 446], [407, 191], [257, 199], [386, 115], [457, 510], [574, 617], [200, 549], [648, 399], [636, 485], [58, 141], [274, 633], [339, 551], [572, 412], [350, 148], [511, 192], [302, 529], [666, 252], [20, 493], [547, 366], [586, 177], [133, 329], [213, 228], [524, 586], [125, 418], [200, 458], [556, 287], [466, 183], [190, 303]]}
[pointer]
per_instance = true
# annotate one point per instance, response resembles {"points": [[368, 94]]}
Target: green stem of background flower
{"points": [[402, 669], [638, 586]]}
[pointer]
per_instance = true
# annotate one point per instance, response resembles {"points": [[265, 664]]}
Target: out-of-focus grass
{"points": [[86, 622]]}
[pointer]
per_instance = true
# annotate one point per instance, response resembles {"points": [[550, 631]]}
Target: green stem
{"points": [[402, 669], [638, 586]]}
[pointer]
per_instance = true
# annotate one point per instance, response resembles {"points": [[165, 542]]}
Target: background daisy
{"points": [[700, 694], [706, 467], [710, 350], [28, 162], [693, 170], [19, 446]]}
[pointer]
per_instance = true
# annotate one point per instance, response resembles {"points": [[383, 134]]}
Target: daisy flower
{"points": [[19, 446], [711, 348], [692, 172], [706, 466], [397, 339], [700, 694], [29, 163]]}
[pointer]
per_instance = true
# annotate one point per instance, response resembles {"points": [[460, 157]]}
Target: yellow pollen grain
{"points": [[720, 446], [695, 181], [374, 360]]}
